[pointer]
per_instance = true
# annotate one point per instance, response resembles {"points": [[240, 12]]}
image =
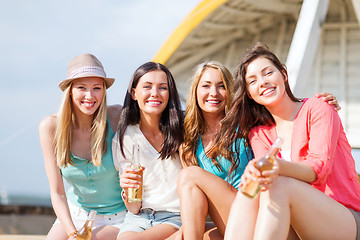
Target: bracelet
{"points": [[73, 233], [123, 195]]}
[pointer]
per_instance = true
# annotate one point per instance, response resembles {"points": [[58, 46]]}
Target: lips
{"points": [[268, 91], [213, 101], [88, 104], [153, 102]]}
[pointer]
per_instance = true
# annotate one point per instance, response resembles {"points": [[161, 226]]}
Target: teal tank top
{"points": [[206, 163], [94, 187]]}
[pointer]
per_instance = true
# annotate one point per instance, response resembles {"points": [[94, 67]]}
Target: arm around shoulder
{"points": [[114, 115]]}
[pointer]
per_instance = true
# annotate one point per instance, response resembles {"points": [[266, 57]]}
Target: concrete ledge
{"points": [[22, 237]]}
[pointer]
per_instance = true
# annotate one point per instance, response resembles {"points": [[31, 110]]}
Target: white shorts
{"points": [[79, 216]]}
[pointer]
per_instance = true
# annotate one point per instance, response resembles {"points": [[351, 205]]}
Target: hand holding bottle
{"points": [[131, 177], [259, 174], [268, 177]]}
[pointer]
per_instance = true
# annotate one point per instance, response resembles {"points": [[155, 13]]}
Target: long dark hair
{"points": [[172, 118], [245, 113]]}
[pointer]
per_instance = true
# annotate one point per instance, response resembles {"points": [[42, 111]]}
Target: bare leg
{"points": [[158, 232], [211, 232], [292, 234], [200, 192], [105, 232], [242, 219], [178, 235], [57, 232], [311, 213]]}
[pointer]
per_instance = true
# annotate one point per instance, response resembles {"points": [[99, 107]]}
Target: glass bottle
{"points": [[135, 194], [84, 233], [251, 188]]}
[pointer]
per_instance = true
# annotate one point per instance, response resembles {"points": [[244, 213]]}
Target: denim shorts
{"points": [[148, 218], [79, 216]]}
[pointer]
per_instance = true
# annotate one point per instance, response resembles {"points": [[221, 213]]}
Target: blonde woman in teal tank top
{"points": [[76, 145]]}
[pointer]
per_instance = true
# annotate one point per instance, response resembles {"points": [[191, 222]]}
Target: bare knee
{"points": [[188, 176], [127, 236], [281, 189]]}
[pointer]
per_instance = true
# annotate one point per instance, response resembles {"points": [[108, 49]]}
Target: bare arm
{"points": [[114, 116], [57, 191], [298, 170]]}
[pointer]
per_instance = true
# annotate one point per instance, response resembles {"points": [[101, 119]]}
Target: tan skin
{"points": [[293, 200], [84, 93]]}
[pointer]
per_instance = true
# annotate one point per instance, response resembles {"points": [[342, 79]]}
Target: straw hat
{"points": [[85, 65]]}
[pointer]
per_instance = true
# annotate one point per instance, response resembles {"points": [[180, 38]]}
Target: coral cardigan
{"points": [[318, 139]]}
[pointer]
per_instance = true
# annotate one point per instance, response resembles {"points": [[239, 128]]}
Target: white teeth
{"points": [[88, 104], [213, 101], [155, 103], [267, 91]]}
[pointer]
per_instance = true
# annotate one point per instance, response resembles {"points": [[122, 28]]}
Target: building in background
{"points": [[318, 40]]}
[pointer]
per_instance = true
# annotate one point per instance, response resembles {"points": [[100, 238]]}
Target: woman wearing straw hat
{"points": [[76, 145]]}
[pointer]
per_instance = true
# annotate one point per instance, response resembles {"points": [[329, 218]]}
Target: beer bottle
{"points": [[136, 194], [251, 188], [84, 233]]}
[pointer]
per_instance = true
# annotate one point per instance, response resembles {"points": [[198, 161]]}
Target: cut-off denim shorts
{"points": [[79, 216], [148, 218]]}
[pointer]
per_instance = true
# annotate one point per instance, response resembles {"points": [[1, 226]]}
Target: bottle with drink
{"points": [[84, 233], [251, 188], [135, 194]]}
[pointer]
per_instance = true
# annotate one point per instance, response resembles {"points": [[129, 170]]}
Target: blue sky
{"points": [[39, 38]]}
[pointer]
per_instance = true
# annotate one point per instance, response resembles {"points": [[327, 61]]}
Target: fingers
{"points": [[130, 178], [269, 176], [330, 99], [251, 173], [129, 183]]}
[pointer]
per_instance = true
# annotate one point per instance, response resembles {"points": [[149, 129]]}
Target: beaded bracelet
{"points": [[73, 234]]}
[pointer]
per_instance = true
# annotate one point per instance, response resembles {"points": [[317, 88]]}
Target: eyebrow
{"points": [[262, 70], [207, 81], [148, 82]]}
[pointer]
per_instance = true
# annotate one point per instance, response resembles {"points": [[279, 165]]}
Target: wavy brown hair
{"points": [[194, 123], [245, 113]]}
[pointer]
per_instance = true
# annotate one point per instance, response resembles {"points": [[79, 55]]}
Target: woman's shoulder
{"points": [[113, 112], [114, 109], [262, 128], [48, 122], [316, 105], [262, 132]]}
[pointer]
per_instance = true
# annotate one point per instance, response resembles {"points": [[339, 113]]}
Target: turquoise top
{"points": [[94, 187], [206, 163]]}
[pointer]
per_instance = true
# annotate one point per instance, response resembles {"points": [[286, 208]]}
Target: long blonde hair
{"points": [[194, 123], [64, 126]]}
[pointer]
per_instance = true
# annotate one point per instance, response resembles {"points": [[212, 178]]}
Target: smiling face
{"points": [[265, 83], [87, 94], [211, 93], [152, 93]]}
